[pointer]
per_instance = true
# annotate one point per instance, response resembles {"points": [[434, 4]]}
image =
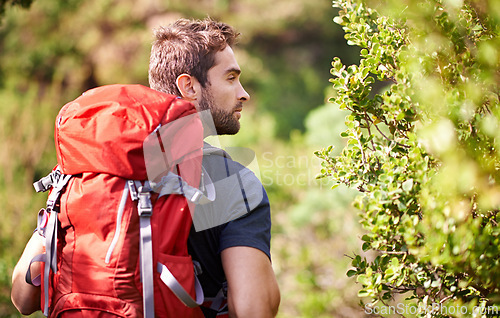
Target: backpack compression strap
{"points": [[169, 279]]}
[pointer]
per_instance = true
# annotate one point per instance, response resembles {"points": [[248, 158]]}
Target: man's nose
{"points": [[243, 95]]}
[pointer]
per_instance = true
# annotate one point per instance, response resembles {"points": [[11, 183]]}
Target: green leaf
{"points": [[338, 20], [407, 185], [366, 246], [363, 293], [394, 262]]}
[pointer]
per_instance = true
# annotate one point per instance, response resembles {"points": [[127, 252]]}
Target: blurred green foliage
{"points": [[5, 3], [313, 228], [55, 50], [424, 152]]}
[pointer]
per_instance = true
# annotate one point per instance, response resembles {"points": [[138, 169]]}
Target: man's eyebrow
{"points": [[233, 70]]}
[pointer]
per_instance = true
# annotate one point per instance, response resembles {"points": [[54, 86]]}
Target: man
{"points": [[194, 60]]}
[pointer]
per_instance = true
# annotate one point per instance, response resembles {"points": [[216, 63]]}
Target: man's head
{"points": [[194, 59]]}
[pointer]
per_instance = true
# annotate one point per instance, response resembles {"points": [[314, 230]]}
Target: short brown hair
{"points": [[186, 47]]}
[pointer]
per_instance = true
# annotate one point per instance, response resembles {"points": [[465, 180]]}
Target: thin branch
{"points": [[393, 252], [445, 299], [368, 124], [385, 137]]}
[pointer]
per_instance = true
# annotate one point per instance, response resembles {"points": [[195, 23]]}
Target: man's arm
{"points": [[252, 287], [24, 296]]}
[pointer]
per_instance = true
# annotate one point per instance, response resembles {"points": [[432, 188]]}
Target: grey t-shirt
{"points": [[240, 216]]}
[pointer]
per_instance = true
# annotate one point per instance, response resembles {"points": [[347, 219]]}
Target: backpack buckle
{"points": [[47, 182], [197, 268], [42, 220], [133, 190], [144, 207]]}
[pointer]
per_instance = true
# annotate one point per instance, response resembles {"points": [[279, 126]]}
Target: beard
{"points": [[225, 122]]}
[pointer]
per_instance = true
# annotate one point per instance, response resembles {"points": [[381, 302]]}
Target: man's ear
{"points": [[188, 86]]}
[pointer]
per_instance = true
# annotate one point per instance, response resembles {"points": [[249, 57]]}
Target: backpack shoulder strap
{"points": [[142, 194], [56, 181]]}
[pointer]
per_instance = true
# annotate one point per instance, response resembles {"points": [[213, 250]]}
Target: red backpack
{"points": [[117, 223]]}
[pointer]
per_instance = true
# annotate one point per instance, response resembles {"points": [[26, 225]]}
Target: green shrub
{"points": [[423, 152]]}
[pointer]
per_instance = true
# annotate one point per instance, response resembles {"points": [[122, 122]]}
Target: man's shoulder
{"points": [[228, 162], [237, 190], [208, 150]]}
